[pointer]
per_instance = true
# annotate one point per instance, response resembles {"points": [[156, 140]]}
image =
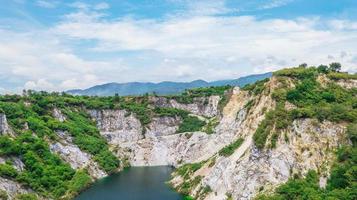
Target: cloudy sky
{"points": [[65, 44]]}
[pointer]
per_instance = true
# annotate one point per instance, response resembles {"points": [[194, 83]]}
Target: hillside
{"points": [[162, 88], [292, 136]]}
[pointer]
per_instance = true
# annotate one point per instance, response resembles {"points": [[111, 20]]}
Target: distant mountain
{"points": [[162, 88]]}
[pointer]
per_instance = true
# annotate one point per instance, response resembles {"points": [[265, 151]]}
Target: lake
{"points": [[134, 183]]}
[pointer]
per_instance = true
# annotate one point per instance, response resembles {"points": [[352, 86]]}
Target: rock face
{"points": [[71, 153], [249, 170], [160, 145], [58, 115], [305, 145], [12, 188], [74, 156], [4, 126], [202, 106]]}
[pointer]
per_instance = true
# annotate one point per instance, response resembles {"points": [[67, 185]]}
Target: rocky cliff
{"points": [[223, 158]]}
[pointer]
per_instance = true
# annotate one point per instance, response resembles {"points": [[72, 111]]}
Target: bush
{"points": [[343, 76], [257, 87], [229, 150], [26, 197], [79, 182], [8, 171], [298, 72], [186, 170], [352, 133], [3, 195], [190, 124]]}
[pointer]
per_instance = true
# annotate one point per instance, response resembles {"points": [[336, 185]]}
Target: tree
{"points": [[322, 69], [335, 66], [303, 65]]}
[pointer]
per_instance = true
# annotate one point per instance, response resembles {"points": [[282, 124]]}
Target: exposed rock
{"points": [[204, 106], [161, 146], [305, 145], [17, 163], [12, 188], [117, 126], [75, 157], [248, 170], [161, 126], [4, 126], [349, 83], [57, 113]]}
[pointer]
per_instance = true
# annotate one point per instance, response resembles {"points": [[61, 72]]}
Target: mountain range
{"points": [[162, 88]]}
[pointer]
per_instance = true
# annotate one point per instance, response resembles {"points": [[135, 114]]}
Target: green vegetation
{"points": [[79, 182], [191, 124], [312, 100], [88, 139], [342, 183], [209, 127], [278, 119], [3, 195], [26, 197], [44, 172], [188, 198], [188, 124], [344, 76], [189, 95], [256, 88], [188, 169], [229, 150], [31, 119], [8, 171]]}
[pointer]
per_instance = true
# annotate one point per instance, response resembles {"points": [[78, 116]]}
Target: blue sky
{"points": [[59, 45]]}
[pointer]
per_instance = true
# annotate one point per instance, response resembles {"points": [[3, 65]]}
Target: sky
{"points": [[58, 45]]}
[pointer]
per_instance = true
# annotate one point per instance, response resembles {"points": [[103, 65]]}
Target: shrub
{"points": [[190, 124], [8, 171], [186, 170], [352, 133], [297, 72], [343, 76], [79, 182], [3, 195], [257, 87], [229, 150], [26, 197]]}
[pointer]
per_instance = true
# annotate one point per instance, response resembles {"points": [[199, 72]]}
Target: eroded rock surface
{"points": [[78, 159], [12, 188]]}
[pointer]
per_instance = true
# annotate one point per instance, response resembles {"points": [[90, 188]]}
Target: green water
{"points": [[135, 183]]}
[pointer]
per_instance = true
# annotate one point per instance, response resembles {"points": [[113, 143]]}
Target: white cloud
{"points": [[79, 5], [40, 84], [176, 48], [274, 4], [101, 6], [47, 4]]}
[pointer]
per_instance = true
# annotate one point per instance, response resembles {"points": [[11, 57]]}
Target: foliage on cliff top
{"points": [[257, 87], [312, 100], [189, 95]]}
